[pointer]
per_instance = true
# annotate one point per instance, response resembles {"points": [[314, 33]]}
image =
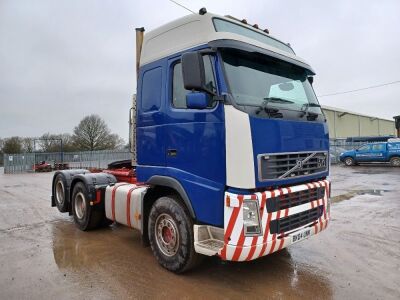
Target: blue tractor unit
{"points": [[229, 148], [383, 152]]}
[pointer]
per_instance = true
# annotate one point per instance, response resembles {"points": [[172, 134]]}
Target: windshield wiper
{"points": [[310, 115], [272, 112], [277, 100]]}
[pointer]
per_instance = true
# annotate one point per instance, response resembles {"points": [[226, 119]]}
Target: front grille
{"points": [[288, 165], [296, 220], [295, 199]]}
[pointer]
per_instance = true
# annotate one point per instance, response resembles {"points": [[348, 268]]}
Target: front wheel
{"points": [[395, 161], [348, 161], [170, 230]]}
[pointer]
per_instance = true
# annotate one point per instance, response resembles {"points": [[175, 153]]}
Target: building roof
{"points": [[197, 30], [325, 107]]}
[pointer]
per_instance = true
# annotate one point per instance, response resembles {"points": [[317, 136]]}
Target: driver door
{"points": [[364, 153]]}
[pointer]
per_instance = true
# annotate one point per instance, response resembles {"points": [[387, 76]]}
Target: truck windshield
{"points": [[259, 83]]}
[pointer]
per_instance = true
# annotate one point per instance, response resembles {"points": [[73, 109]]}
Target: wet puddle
{"points": [[351, 194], [370, 171]]}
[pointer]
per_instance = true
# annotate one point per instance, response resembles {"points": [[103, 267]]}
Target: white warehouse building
{"points": [[344, 123]]}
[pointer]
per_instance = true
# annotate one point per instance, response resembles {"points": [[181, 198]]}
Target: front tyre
{"points": [[170, 230], [348, 161], [85, 216], [395, 161]]}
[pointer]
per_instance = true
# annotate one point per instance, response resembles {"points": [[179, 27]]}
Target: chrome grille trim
{"points": [[286, 165]]}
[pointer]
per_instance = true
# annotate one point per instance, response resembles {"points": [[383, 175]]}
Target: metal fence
{"points": [[20, 163], [339, 146], [24, 162]]}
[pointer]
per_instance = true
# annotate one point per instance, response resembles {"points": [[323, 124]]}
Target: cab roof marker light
{"points": [[202, 11]]}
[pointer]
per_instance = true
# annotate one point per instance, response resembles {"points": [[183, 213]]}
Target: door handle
{"points": [[172, 152]]}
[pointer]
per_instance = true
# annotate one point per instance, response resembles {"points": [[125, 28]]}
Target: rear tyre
{"points": [[59, 193], [395, 161], [348, 161], [170, 231], [85, 216]]}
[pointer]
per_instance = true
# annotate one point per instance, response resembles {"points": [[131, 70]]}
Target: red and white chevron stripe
{"points": [[238, 247]]}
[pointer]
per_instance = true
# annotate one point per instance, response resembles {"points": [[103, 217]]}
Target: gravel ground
{"points": [[43, 254]]}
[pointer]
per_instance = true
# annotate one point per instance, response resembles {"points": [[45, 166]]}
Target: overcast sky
{"points": [[62, 60]]}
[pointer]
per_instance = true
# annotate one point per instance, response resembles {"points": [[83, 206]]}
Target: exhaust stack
{"points": [[132, 112], [139, 43]]}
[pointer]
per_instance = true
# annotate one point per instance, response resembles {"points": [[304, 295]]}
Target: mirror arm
{"points": [[221, 98], [209, 92]]}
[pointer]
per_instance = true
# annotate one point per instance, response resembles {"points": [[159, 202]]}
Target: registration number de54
{"points": [[301, 235]]}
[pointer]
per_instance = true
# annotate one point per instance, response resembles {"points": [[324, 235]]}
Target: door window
{"points": [[364, 148], [178, 90], [379, 147]]}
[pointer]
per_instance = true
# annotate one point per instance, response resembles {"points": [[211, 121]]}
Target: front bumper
{"points": [[238, 247]]}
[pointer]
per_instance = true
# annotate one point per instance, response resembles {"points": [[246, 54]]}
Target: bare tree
{"points": [[68, 142], [50, 142], [27, 144], [92, 133]]}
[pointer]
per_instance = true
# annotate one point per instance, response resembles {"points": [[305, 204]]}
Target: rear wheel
{"points": [[170, 230], [395, 161], [59, 194], [348, 161], [85, 216]]}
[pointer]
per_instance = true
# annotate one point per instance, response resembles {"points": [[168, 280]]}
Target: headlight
{"points": [[251, 218]]}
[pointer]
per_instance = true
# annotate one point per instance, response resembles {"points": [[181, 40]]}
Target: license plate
{"points": [[301, 235]]}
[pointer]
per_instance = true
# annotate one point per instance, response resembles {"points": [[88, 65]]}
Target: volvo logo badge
{"points": [[299, 164]]}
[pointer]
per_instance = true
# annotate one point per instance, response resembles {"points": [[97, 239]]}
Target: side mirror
{"points": [[197, 100], [193, 71]]}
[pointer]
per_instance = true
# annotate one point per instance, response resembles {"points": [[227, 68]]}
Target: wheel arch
{"points": [[90, 180], [173, 184], [161, 186]]}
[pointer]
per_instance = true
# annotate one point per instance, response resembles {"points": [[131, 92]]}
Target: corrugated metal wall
{"points": [[344, 124]]}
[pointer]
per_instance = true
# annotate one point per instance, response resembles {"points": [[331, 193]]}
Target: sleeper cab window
{"points": [[151, 90], [178, 90]]}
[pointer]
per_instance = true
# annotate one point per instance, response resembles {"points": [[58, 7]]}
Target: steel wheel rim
{"points": [[60, 192], [396, 162], [349, 161], [80, 205], [167, 235]]}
